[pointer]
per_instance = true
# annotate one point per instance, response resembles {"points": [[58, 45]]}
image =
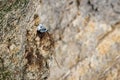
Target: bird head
{"points": [[41, 28]]}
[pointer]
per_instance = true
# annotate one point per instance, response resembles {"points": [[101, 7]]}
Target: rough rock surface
{"points": [[86, 35]]}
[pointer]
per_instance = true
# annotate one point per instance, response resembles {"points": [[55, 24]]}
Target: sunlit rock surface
{"points": [[86, 35]]}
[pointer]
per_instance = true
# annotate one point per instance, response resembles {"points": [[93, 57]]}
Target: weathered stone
{"points": [[86, 35]]}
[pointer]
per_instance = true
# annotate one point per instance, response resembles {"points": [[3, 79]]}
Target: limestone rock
{"points": [[86, 35]]}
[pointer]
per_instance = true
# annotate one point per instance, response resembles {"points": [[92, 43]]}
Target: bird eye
{"points": [[40, 26]]}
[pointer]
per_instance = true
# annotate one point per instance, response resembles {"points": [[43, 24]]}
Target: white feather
{"points": [[41, 28]]}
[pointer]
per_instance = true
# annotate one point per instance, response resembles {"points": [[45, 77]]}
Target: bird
{"points": [[42, 32], [41, 28]]}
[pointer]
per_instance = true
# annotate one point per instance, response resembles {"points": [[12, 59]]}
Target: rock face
{"points": [[86, 36]]}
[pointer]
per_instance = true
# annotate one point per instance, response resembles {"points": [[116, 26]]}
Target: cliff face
{"points": [[86, 36]]}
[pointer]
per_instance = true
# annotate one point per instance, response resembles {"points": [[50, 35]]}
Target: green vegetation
{"points": [[9, 5], [5, 74]]}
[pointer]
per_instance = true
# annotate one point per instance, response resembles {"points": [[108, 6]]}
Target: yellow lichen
{"points": [[104, 47]]}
